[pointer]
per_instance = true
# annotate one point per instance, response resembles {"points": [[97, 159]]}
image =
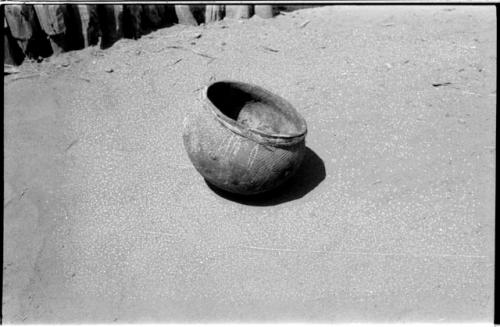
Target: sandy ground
{"points": [[391, 218]]}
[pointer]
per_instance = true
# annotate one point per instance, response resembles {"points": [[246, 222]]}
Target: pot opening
{"points": [[256, 109]]}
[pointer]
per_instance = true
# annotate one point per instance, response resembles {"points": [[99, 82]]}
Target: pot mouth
{"points": [[254, 112]]}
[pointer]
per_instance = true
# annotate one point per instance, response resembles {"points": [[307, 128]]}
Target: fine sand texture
{"points": [[390, 218]]}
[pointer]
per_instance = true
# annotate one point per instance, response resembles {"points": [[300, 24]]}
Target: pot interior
{"points": [[255, 108]]}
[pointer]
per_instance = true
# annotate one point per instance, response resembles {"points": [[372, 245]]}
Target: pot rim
{"points": [[254, 134]]}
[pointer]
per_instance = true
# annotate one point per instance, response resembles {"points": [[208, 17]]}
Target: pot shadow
{"points": [[309, 175]]}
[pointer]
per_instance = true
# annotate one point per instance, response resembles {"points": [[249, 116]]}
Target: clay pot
{"points": [[244, 139]]}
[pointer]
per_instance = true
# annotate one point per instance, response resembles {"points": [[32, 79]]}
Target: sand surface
{"points": [[391, 217]]}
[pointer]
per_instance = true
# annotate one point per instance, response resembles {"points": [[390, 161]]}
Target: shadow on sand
{"points": [[310, 174]]}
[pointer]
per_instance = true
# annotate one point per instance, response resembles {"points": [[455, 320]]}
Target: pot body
{"points": [[234, 162]]}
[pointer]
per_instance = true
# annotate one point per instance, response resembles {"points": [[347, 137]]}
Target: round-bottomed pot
{"points": [[244, 139]]}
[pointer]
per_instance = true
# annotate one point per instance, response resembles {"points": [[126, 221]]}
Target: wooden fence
{"points": [[39, 31]]}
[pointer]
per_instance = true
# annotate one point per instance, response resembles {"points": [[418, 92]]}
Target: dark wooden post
{"points": [[111, 21], [154, 15], [132, 22]]}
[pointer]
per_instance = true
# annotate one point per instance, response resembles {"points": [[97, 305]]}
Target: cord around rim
{"points": [[255, 135]]}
